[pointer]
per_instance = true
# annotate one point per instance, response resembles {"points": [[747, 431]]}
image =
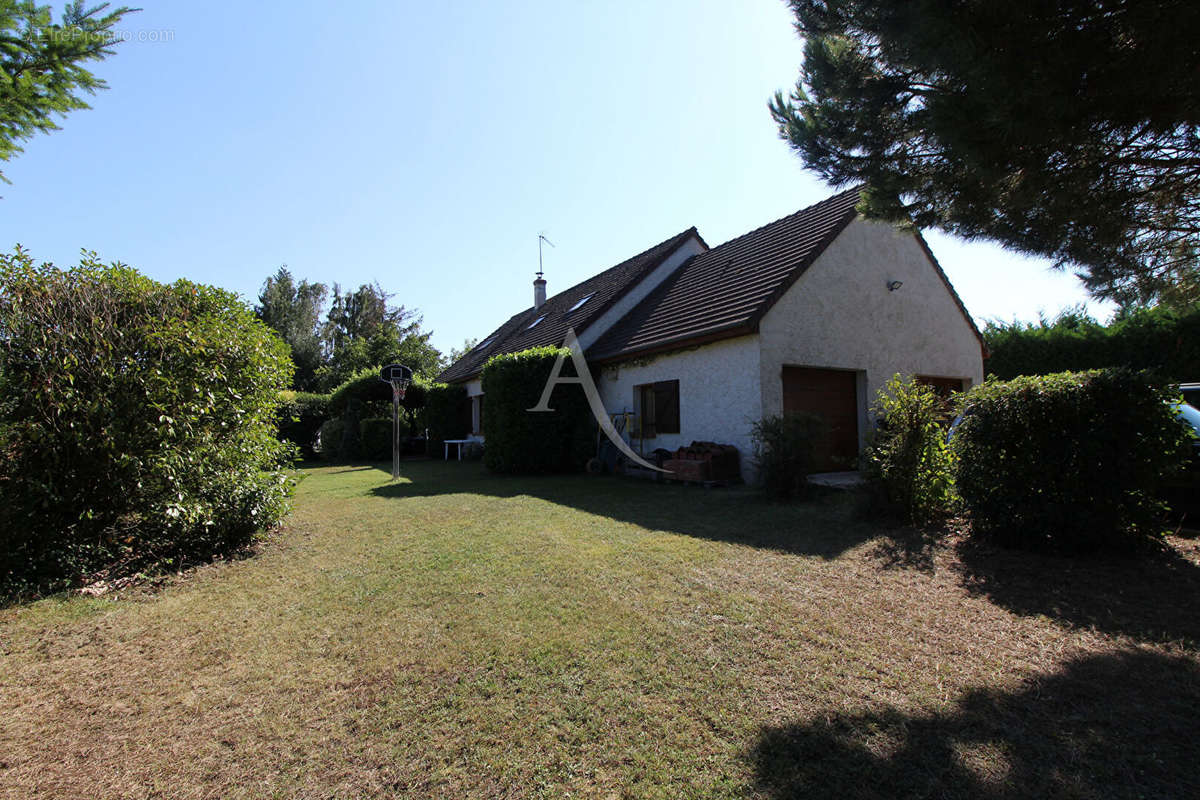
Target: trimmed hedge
{"points": [[523, 441], [908, 464], [1164, 340], [138, 427], [301, 415], [1070, 462], [447, 415]]}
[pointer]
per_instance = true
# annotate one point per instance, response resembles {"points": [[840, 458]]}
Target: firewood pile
{"points": [[704, 461]]}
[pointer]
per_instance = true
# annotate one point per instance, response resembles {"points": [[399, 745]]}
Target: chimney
{"points": [[539, 291]]}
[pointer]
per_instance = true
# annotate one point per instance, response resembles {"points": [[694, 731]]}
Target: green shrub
{"points": [[784, 446], [447, 415], [329, 439], [1069, 462], [375, 438], [909, 467], [523, 441], [139, 428], [300, 416]]}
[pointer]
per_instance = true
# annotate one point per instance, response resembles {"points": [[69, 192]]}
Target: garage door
{"points": [[831, 394]]}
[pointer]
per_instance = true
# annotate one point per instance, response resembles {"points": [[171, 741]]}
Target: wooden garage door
{"points": [[833, 395]]}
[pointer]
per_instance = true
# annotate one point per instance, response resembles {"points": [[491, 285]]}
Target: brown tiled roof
{"points": [[725, 291], [607, 287]]}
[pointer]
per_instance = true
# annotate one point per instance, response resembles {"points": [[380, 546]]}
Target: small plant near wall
{"points": [[784, 451], [908, 463]]}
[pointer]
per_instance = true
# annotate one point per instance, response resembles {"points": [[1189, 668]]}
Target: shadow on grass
{"points": [[910, 548], [1153, 597], [1112, 725], [824, 526]]}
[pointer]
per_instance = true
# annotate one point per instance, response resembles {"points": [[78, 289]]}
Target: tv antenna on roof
{"points": [[542, 238]]}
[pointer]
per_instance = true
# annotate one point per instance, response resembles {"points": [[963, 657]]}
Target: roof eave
{"points": [[962, 307], [681, 343]]}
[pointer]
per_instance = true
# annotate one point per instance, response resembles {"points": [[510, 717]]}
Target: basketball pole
{"points": [[395, 432], [399, 377]]}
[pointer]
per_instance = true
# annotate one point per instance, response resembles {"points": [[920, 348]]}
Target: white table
{"points": [[459, 442]]}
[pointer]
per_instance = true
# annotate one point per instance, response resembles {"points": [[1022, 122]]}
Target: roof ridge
{"points": [[827, 201], [623, 262]]}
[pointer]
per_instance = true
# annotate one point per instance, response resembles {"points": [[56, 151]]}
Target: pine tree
{"points": [[41, 72], [294, 311], [1063, 128]]}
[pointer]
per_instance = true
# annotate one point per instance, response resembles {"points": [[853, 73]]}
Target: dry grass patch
{"points": [[459, 634]]}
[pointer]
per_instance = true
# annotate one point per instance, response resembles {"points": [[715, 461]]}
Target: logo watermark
{"points": [[584, 379], [105, 38]]}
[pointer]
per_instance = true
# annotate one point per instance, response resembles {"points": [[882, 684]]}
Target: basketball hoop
{"points": [[399, 376]]}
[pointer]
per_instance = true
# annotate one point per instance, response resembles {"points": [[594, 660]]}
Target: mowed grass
{"points": [[457, 634]]}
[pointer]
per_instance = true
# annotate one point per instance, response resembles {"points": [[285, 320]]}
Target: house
{"points": [[813, 312]]}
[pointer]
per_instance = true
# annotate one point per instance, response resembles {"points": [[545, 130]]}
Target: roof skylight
{"points": [[484, 343], [536, 321], [580, 302]]}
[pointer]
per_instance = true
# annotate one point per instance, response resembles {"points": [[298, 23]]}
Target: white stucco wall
{"points": [[840, 314], [474, 389], [719, 396], [638, 292]]}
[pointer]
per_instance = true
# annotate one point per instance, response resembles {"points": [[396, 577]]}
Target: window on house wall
{"points": [[943, 386], [658, 406]]}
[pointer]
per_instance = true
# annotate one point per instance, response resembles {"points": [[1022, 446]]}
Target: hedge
{"points": [[375, 438], [139, 425], [1070, 462], [300, 416], [1162, 339], [447, 415], [375, 395], [359, 403], [523, 441]]}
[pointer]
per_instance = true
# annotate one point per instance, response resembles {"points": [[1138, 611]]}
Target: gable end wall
{"points": [[841, 315]]}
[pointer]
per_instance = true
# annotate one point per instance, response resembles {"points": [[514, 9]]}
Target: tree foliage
{"points": [[362, 330], [42, 73], [137, 424], [293, 310], [1062, 128]]}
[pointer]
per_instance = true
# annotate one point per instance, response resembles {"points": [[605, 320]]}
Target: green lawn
{"points": [[463, 635]]}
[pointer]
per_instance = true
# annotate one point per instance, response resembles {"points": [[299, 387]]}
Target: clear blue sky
{"points": [[425, 145]]}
